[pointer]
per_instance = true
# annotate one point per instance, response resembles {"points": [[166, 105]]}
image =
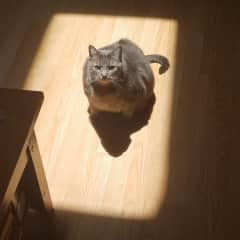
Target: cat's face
{"points": [[105, 66]]}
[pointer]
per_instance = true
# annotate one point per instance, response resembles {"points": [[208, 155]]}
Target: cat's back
{"points": [[130, 47], [135, 62], [131, 52]]}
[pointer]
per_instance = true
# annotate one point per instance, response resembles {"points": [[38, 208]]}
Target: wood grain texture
{"points": [[176, 173], [39, 174]]}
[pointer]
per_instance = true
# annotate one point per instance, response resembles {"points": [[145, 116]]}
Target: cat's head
{"points": [[105, 65]]}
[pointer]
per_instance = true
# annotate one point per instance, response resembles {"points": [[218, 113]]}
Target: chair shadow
{"points": [[114, 130]]}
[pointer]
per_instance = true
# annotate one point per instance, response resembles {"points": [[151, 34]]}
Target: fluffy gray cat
{"points": [[118, 78]]}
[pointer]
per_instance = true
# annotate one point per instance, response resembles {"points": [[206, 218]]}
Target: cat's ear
{"points": [[92, 50], [117, 53]]}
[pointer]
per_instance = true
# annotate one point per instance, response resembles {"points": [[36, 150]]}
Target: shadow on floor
{"points": [[114, 130]]}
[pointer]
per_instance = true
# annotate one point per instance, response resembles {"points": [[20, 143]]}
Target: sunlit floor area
{"points": [[156, 176], [83, 174]]}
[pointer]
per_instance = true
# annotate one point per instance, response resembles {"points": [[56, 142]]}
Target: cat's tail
{"points": [[163, 61]]}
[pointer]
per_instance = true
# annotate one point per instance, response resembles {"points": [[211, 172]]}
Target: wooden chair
{"points": [[23, 187]]}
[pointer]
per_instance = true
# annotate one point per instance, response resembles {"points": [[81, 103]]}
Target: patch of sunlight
{"points": [[82, 176]]}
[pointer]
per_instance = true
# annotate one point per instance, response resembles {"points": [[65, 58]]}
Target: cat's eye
{"points": [[97, 67], [111, 67]]}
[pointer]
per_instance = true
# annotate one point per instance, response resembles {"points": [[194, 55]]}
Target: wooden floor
{"points": [[172, 173]]}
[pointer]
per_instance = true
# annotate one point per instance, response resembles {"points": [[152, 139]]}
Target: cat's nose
{"points": [[104, 74]]}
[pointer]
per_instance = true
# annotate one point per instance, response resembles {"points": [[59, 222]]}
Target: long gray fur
{"points": [[118, 77]]}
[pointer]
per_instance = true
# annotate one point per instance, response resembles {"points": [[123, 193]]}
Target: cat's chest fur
{"points": [[112, 102]]}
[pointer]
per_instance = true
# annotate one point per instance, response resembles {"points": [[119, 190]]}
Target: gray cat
{"points": [[118, 78]]}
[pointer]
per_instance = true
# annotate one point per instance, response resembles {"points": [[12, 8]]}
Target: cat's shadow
{"points": [[114, 130]]}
